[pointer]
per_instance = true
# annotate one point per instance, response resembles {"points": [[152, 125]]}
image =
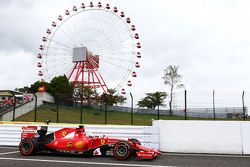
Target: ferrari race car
{"points": [[75, 140]]}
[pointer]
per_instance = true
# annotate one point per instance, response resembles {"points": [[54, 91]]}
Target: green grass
{"points": [[90, 116]]}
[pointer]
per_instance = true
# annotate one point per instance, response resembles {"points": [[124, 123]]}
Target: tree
{"points": [[88, 93], [120, 100], [24, 89], [60, 87], [172, 78], [152, 100], [113, 98]]}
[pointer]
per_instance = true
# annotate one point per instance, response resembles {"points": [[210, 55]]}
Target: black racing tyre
{"points": [[122, 150], [135, 141], [28, 146]]}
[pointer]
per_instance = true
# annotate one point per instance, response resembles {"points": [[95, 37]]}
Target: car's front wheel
{"points": [[122, 150]]}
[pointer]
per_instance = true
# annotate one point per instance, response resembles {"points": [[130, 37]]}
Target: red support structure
{"points": [[86, 73]]}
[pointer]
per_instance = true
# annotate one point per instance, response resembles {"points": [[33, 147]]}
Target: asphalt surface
{"points": [[10, 157]]}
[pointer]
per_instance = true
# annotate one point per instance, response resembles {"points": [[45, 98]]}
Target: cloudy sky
{"points": [[208, 39]]}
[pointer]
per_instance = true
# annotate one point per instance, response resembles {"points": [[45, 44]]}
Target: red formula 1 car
{"points": [[75, 140]]}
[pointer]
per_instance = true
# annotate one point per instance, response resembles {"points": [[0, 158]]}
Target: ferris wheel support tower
{"points": [[85, 70]]}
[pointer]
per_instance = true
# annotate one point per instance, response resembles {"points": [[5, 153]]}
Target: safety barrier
{"points": [[220, 137], [10, 134], [27, 107], [24, 109]]}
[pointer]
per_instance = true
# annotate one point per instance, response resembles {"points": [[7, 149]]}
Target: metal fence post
{"points": [[14, 107], [105, 96], [57, 109], [158, 112], [185, 110], [132, 101], [35, 107], [81, 96], [243, 105], [213, 106]]}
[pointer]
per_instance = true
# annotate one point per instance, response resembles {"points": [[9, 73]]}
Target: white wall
{"points": [[246, 137], [222, 137], [10, 134]]}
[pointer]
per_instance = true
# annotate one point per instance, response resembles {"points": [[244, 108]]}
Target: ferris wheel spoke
{"points": [[59, 43], [58, 48], [59, 54], [117, 59], [76, 36], [101, 32], [53, 61], [108, 53], [63, 54], [71, 39], [112, 49], [115, 65], [114, 25], [104, 71], [58, 69], [105, 40], [98, 21], [55, 68], [63, 65], [120, 33], [102, 39]]}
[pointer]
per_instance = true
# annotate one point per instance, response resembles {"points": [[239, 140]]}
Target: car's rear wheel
{"points": [[122, 150], [28, 146]]}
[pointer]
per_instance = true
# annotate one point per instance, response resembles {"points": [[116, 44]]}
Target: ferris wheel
{"points": [[93, 45]]}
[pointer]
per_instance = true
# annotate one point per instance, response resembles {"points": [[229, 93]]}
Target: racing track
{"points": [[10, 157]]}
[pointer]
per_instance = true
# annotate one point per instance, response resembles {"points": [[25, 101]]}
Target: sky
{"points": [[208, 39]]}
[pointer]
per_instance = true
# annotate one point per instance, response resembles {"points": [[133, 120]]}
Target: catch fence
{"points": [[187, 105]]}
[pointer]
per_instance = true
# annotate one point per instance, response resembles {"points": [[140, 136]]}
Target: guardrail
{"points": [[10, 134]]}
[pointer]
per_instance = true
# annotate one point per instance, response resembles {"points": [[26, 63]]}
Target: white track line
{"points": [[10, 148], [80, 162], [207, 155], [12, 152]]}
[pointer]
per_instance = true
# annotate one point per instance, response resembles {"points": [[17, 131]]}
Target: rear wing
{"points": [[28, 132]]}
